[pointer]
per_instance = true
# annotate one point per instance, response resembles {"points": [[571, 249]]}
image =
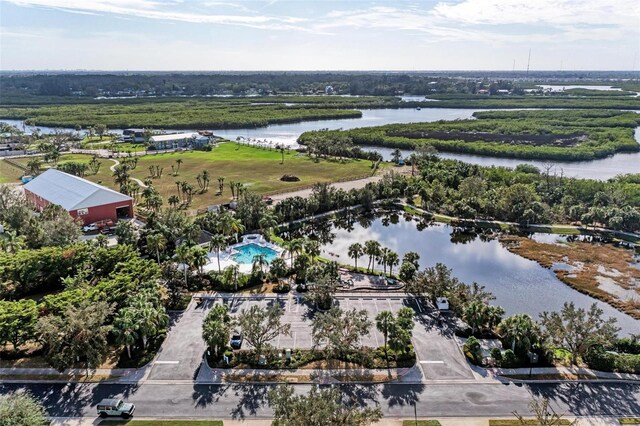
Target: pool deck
{"points": [[226, 257]]}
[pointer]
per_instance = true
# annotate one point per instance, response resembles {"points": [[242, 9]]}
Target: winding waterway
{"points": [[288, 134], [520, 285]]}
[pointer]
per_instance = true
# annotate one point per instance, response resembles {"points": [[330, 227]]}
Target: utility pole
{"points": [[528, 62]]}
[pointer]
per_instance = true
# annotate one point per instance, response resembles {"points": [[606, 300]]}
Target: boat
{"points": [[418, 108]]}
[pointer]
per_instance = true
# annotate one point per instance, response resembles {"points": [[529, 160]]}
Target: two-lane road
{"points": [[396, 400]]}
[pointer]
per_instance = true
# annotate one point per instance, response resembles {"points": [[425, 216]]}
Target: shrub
{"points": [[285, 288], [472, 350], [510, 360], [496, 354]]}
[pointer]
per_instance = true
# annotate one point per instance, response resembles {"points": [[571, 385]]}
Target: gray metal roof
{"points": [[72, 192]]}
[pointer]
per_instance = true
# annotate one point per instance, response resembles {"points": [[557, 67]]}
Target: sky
{"points": [[181, 35]]}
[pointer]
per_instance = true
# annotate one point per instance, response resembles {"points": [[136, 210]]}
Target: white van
{"points": [[115, 407]]}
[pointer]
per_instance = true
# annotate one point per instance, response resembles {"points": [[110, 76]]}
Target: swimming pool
{"points": [[247, 252]]}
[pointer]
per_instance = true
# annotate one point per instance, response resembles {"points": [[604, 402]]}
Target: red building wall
{"points": [[93, 214]]}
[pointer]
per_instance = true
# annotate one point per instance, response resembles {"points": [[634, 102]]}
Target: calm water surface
{"points": [[288, 134], [519, 284]]}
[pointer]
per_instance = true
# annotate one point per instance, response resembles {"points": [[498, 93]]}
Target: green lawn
{"points": [[629, 420], [517, 422], [163, 422], [258, 169], [9, 173]]}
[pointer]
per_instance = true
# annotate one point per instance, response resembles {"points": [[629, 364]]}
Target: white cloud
{"points": [[546, 12], [153, 10]]}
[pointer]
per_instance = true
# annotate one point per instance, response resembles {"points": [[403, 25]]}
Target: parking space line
{"points": [[167, 362], [431, 362], [389, 303], [419, 306]]}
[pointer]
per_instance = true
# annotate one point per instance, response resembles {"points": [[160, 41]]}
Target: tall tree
{"points": [[338, 331], [157, 243], [261, 325], [79, 335], [21, 409], [18, 322], [577, 329], [218, 243], [216, 328], [355, 251], [371, 249], [319, 407], [125, 328]]}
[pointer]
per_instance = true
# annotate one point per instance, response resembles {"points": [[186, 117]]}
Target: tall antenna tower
{"points": [[528, 62], [514, 66]]}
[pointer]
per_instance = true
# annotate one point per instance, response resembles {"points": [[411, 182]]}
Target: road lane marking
{"points": [[167, 362], [431, 362]]}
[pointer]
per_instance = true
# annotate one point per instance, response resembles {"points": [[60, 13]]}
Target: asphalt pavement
{"points": [[236, 401]]}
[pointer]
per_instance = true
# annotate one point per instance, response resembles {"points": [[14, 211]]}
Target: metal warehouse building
{"points": [[81, 198]]}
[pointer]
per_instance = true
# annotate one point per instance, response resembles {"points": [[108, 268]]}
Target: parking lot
{"points": [[438, 354], [299, 315]]}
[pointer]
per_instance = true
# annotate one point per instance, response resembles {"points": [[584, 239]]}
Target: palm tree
{"points": [[383, 258], [183, 254], [156, 243], [199, 258], [221, 184], [150, 320], [475, 314], [260, 261], [218, 242], [267, 223], [312, 248], [125, 328], [178, 164], [371, 249], [385, 323], [173, 200], [392, 260], [518, 329], [295, 247], [33, 166], [355, 251], [396, 155]]}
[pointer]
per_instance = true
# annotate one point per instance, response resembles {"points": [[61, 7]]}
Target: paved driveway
{"points": [[438, 354]]}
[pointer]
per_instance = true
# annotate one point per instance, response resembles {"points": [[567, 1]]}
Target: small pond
{"points": [[519, 284]]}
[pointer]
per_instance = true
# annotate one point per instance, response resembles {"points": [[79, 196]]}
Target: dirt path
{"points": [[351, 184], [136, 180]]}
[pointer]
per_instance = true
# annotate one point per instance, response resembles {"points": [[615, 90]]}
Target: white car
{"points": [[90, 228], [115, 407]]}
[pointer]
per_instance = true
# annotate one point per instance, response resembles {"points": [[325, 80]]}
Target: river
{"points": [[288, 134]]}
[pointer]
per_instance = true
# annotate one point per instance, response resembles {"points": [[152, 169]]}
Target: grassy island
{"points": [[575, 135]]}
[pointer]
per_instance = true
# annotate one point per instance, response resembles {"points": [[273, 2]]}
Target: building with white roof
{"points": [[178, 140], [81, 198]]}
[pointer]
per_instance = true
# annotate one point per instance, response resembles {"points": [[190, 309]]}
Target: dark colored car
{"points": [[236, 341]]}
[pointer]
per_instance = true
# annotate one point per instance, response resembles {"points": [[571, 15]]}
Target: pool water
{"points": [[248, 251]]}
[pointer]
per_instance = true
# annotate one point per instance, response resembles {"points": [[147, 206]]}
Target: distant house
{"points": [[178, 140], [133, 135], [81, 198], [328, 90]]}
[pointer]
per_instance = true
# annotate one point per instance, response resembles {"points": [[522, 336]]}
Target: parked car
{"points": [[115, 407], [236, 341], [98, 226], [90, 228]]}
